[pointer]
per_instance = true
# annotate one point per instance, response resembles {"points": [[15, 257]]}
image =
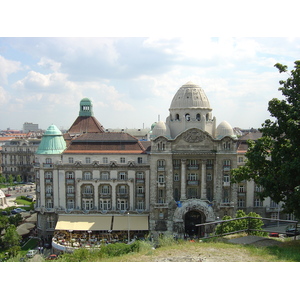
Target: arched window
{"points": [[187, 117], [198, 117], [177, 117]]}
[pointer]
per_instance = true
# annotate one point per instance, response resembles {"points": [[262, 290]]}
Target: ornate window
{"points": [[87, 175]]}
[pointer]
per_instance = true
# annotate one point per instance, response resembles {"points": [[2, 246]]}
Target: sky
{"points": [[132, 79]]}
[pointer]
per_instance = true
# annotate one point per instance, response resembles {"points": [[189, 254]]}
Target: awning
{"points": [[130, 223], [83, 222]]}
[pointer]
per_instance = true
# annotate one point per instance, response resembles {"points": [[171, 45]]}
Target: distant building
{"points": [[30, 127], [18, 158]]}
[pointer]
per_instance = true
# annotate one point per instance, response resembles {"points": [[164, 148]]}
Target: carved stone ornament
{"points": [[197, 205], [194, 136]]}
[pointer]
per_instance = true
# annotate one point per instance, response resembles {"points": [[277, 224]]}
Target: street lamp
{"points": [[128, 226]]}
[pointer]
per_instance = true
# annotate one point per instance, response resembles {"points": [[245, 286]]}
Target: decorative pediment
{"points": [[131, 163], [194, 136], [113, 163]]}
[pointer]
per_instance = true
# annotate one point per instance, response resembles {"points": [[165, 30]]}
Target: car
{"points": [[7, 195], [292, 230], [31, 253], [17, 210], [4, 212], [52, 257]]}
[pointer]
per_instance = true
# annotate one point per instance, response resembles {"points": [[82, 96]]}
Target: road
{"points": [[26, 190]]}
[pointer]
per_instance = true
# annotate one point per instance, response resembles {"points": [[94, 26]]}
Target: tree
{"points": [[250, 222], [19, 178], [273, 161], [11, 238]]}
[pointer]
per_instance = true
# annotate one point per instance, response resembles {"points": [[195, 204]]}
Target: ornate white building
{"points": [[99, 181]]}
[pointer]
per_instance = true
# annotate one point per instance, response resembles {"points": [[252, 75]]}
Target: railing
{"points": [[248, 228]]}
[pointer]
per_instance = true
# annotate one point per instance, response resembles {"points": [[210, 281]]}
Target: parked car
{"points": [[291, 230], [31, 253], [4, 212], [17, 210], [52, 257], [7, 195]]}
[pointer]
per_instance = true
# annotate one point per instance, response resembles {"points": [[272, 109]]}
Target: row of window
{"points": [[103, 189], [88, 204], [122, 160], [122, 175]]}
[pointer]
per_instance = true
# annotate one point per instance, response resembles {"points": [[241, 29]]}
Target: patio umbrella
{"points": [[32, 218], [24, 228]]}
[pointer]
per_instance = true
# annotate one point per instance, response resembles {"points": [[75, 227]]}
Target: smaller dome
{"points": [[160, 129], [224, 129], [52, 142]]}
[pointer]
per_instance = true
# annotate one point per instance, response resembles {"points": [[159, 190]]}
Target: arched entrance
{"points": [[191, 219]]}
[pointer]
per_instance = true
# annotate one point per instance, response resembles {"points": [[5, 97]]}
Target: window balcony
{"points": [[105, 195], [71, 195], [70, 180], [193, 167], [122, 195], [226, 184], [226, 168], [49, 166], [226, 204], [48, 180], [49, 195], [140, 195], [160, 168], [193, 182], [140, 180], [87, 195]]}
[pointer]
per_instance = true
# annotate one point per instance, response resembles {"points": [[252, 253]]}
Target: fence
{"points": [[248, 229]]}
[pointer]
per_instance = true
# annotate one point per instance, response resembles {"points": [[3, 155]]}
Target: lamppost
{"points": [[128, 226], [71, 237]]}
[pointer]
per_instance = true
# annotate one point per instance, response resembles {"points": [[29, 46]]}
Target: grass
{"points": [[185, 251]]}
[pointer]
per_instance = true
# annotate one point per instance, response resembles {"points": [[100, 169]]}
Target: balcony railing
{"points": [[193, 167], [193, 182], [47, 165]]}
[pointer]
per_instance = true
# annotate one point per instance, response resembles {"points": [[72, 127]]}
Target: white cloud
{"points": [[8, 67], [49, 64]]}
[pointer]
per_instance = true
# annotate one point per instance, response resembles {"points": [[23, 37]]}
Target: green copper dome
{"points": [[52, 142]]}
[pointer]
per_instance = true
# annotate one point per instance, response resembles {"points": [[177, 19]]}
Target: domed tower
{"points": [[160, 129], [85, 122], [224, 129], [190, 108], [52, 142]]}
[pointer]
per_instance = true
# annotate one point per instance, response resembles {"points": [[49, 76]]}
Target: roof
{"points": [[106, 142], [84, 125], [52, 142], [190, 95]]}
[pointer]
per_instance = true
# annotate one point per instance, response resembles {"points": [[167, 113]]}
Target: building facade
{"points": [[18, 158], [95, 180]]}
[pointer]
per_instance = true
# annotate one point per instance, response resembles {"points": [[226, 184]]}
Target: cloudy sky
{"points": [[132, 80]]}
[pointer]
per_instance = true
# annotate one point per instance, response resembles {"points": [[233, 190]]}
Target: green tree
{"points": [[11, 238], [19, 178], [2, 179], [242, 224], [273, 161], [10, 179]]}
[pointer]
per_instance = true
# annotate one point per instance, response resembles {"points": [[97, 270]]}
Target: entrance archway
{"points": [[191, 219]]}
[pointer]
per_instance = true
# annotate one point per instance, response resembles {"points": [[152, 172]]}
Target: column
{"points": [[203, 180], [183, 179]]}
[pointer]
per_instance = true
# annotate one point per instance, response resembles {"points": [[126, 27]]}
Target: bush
{"points": [[243, 224]]}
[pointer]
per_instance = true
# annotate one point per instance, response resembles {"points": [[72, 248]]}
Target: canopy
{"points": [[24, 228], [83, 222], [130, 222]]}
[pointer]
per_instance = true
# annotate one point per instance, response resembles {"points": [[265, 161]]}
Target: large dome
{"points": [[190, 95], [52, 141]]}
